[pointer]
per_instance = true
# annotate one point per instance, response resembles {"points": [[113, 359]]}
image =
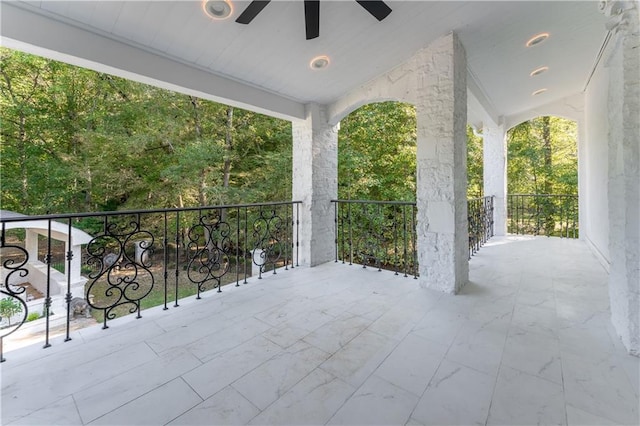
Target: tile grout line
{"points": [[194, 391], [495, 384], [435, 371]]}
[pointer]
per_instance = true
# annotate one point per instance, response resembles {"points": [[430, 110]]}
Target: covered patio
{"points": [[531, 331], [527, 341]]}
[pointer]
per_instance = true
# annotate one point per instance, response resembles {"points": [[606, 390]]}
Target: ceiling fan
{"points": [[377, 8]]}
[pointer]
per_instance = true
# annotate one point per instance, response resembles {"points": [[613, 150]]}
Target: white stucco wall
{"points": [[622, 61], [495, 173], [594, 223], [624, 188]]}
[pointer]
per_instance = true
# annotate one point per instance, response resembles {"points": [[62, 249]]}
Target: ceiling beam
{"points": [[479, 105], [25, 30]]}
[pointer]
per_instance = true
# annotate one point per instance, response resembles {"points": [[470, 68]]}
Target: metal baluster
{"points": [[394, 223], [297, 233], [415, 252], [246, 242], [287, 233], [342, 232], [165, 244], [405, 237], [47, 301], [237, 247], [68, 273], [177, 270], [139, 301], [350, 235], [380, 249], [335, 228]]}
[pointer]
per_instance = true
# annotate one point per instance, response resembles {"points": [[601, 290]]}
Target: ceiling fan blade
{"points": [[252, 11], [377, 8], [312, 18]]}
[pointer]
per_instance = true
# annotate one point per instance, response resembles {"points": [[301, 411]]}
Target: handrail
{"points": [[377, 233], [393, 203], [543, 214], [141, 211], [383, 233], [139, 258]]}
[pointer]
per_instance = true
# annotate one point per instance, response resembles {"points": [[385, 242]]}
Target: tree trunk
{"points": [[197, 127], [228, 147], [202, 188], [24, 158], [88, 195], [546, 141], [549, 223]]}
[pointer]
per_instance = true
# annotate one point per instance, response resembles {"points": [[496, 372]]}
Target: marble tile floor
{"points": [[527, 342]]}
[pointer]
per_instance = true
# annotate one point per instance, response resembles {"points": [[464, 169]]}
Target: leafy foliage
{"points": [[475, 164], [543, 159], [539, 164], [76, 140], [8, 308], [377, 154]]}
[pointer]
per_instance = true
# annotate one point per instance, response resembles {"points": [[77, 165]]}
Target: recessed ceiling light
{"points": [[538, 92], [538, 71], [217, 9], [319, 62], [537, 39]]}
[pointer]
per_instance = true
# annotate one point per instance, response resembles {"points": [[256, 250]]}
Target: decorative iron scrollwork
{"points": [[208, 247], [14, 260], [120, 277], [268, 236]]}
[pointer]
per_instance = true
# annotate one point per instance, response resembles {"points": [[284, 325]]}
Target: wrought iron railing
{"points": [[480, 219], [543, 214], [138, 259], [380, 234]]}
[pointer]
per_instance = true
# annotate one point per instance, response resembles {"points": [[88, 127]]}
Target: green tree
{"points": [[475, 163], [77, 140], [377, 153], [8, 308], [543, 157]]}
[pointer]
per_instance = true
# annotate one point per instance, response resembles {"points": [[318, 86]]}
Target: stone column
{"points": [[441, 195], [624, 173], [494, 149], [31, 245], [315, 183], [77, 281]]}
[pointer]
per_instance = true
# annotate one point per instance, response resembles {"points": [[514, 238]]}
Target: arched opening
{"points": [[377, 153], [542, 177], [377, 166], [377, 187]]}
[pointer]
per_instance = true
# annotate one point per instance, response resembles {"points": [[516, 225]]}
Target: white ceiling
{"points": [[271, 53]]}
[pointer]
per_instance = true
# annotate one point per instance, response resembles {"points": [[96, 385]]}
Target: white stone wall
{"points": [[441, 112], [315, 183], [434, 80], [624, 175]]}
